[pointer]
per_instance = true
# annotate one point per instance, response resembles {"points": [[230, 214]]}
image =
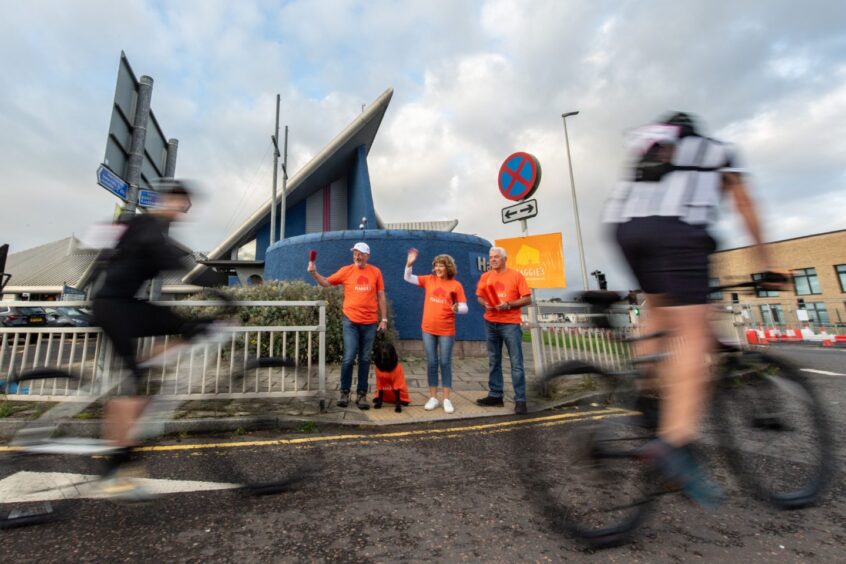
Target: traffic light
{"points": [[600, 279], [632, 299]]}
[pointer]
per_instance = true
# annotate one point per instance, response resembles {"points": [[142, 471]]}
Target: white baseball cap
{"points": [[362, 248]]}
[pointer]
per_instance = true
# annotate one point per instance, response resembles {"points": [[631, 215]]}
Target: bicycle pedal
{"points": [[770, 423]]}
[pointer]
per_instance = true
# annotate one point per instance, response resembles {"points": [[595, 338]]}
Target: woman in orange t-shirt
{"points": [[443, 300]]}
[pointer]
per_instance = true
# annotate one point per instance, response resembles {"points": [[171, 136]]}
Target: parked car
{"points": [[23, 316], [67, 317]]}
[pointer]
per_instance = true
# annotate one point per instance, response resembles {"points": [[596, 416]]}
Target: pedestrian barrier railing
{"points": [[198, 372], [567, 334]]}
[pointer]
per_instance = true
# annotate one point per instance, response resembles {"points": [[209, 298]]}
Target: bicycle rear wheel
{"points": [[580, 469], [775, 430], [287, 471], [34, 485]]}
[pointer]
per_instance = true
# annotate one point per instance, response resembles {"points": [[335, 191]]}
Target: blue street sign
{"points": [[148, 199], [112, 182]]}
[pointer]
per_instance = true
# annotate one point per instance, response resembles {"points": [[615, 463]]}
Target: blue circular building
{"points": [[328, 206], [287, 260]]}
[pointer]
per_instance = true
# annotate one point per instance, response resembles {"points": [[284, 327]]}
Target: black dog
{"points": [[390, 377]]}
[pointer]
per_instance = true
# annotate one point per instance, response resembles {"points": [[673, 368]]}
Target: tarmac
{"points": [[470, 382]]}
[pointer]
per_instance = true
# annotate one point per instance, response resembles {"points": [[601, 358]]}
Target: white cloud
{"points": [[474, 81]]}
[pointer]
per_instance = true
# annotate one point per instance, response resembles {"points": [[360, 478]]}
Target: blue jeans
{"points": [[358, 341], [438, 353], [512, 335]]}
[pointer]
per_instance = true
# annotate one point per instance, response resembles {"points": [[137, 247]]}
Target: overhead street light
{"points": [[575, 202]]}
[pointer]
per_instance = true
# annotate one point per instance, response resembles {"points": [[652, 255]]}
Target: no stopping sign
{"points": [[519, 176]]}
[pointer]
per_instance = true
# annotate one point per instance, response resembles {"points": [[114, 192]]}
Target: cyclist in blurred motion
{"points": [[142, 251], [662, 210]]}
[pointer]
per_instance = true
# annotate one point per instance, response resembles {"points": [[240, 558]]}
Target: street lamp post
{"points": [[575, 202]]}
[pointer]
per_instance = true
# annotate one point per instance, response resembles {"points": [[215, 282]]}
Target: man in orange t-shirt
{"points": [[502, 292], [364, 290]]}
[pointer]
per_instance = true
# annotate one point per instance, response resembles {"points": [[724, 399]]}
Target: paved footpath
{"points": [[470, 382]]}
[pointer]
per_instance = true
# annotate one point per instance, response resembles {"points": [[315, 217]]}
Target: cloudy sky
{"points": [[473, 81]]}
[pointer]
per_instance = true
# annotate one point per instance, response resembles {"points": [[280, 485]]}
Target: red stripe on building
{"points": [[326, 199]]}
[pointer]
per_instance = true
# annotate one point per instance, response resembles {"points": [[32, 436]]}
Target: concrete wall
{"points": [[287, 260]]}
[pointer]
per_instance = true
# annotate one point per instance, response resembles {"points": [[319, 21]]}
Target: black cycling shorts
{"points": [[125, 319], [668, 257]]}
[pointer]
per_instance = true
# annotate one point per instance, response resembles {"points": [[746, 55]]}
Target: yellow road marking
{"points": [[419, 433], [448, 432]]}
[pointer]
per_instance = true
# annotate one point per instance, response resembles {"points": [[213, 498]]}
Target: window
{"points": [[806, 282], [716, 296], [760, 292], [772, 314], [766, 314], [778, 314], [841, 275], [247, 251], [817, 313]]}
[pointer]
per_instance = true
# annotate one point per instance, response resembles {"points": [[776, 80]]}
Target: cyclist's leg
{"points": [[684, 375], [684, 392], [670, 260]]}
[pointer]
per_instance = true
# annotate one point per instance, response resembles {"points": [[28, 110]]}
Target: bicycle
{"points": [[37, 496], [592, 484]]}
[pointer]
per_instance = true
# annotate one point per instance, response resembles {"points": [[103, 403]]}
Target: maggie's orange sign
{"points": [[540, 258]]}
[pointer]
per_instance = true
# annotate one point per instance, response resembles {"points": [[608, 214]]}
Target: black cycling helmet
{"points": [[173, 186], [684, 121]]}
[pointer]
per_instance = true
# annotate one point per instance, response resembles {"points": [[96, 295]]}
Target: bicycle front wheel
{"points": [[579, 465], [775, 430]]}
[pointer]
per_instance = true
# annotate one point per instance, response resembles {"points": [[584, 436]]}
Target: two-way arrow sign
{"points": [[523, 210]]}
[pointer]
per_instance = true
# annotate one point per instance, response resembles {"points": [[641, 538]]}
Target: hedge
{"points": [[263, 316]]}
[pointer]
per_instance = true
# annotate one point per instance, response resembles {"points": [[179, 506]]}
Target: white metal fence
{"points": [[199, 372], [566, 333]]}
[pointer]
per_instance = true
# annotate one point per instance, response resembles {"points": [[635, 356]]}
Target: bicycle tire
{"points": [[586, 480], [775, 430], [29, 495], [285, 473]]}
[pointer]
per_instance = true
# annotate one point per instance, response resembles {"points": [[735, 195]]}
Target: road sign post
{"points": [[522, 211], [112, 182], [519, 178], [148, 199]]}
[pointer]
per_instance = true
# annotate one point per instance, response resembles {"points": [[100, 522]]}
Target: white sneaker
{"points": [[431, 404], [448, 406]]}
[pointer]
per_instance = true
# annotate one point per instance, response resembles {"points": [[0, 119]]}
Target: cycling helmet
{"points": [[173, 186], [684, 121]]}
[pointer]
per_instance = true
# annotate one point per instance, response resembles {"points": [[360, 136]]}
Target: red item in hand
{"points": [[312, 255], [453, 296], [492, 297]]}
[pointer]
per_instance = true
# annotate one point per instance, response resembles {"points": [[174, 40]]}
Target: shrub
{"points": [[265, 316]]}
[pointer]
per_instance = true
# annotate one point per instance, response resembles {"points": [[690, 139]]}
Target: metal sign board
{"points": [[540, 258], [519, 176], [148, 199], [523, 210], [112, 182], [120, 130], [69, 293]]}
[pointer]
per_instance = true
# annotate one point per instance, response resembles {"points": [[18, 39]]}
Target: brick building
{"points": [[817, 294]]}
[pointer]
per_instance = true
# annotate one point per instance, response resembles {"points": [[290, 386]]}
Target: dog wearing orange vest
{"points": [[390, 377]]}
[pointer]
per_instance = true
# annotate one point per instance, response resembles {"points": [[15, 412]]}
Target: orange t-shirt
{"points": [[509, 286], [438, 317], [361, 287]]}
